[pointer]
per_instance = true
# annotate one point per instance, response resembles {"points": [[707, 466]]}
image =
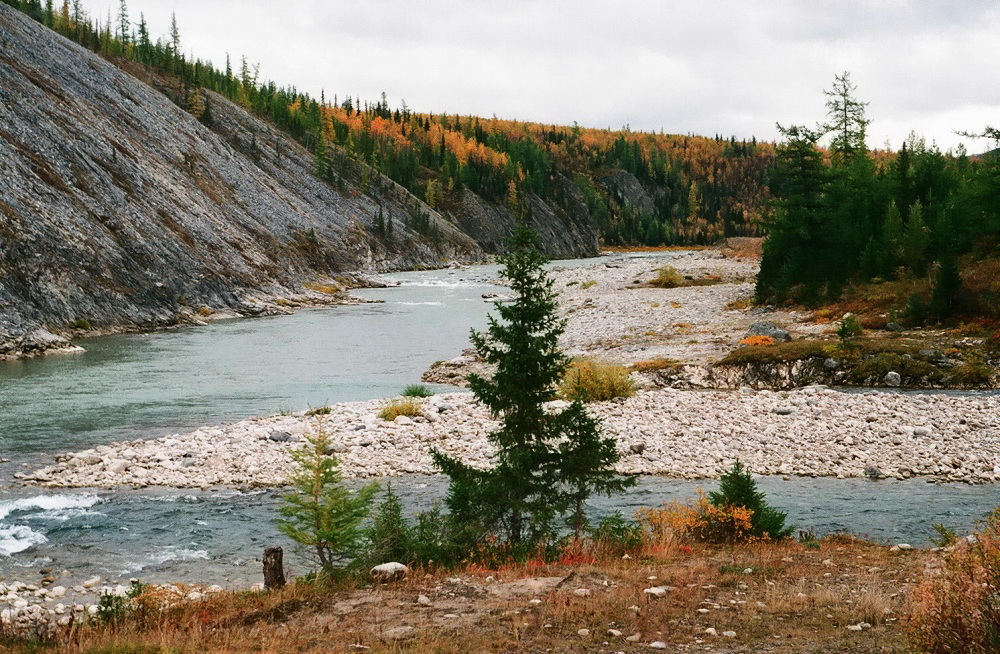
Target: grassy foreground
{"points": [[776, 597]]}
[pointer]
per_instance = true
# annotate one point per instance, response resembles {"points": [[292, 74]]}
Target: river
{"points": [[144, 385]]}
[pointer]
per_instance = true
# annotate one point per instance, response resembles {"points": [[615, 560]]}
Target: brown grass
{"points": [[408, 407], [595, 381], [793, 599], [652, 365]]}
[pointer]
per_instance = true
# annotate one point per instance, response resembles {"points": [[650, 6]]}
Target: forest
{"points": [[836, 213], [918, 222], [640, 188]]}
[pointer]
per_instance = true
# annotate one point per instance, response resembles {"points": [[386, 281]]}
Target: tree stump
{"points": [[274, 569]]}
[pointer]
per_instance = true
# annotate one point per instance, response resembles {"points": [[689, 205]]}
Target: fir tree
{"points": [[737, 488], [389, 536], [947, 284], [916, 239], [847, 119], [545, 460]]}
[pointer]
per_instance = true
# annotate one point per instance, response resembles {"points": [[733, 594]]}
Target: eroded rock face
{"points": [[118, 209]]}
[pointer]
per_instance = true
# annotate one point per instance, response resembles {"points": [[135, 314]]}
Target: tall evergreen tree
{"points": [[545, 460], [847, 121]]}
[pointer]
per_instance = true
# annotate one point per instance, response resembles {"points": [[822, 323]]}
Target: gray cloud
{"points": [[727, 67]]}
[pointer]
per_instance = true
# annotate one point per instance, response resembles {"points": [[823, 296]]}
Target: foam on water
{"points": [[50, 505], [420, 304], [17, 538]]}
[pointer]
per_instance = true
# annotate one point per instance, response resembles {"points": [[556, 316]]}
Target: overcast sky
{"points": [[706, 67]]}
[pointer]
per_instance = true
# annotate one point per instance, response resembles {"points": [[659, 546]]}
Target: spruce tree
{"points": [[738, 489], [545, 460], [947, 283], [916, 239]]}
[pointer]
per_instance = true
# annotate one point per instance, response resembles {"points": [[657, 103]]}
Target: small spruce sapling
{"points": [[320, 513], [737, 488]]}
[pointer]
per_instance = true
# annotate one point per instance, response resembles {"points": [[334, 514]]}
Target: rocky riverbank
{"points": [[814, 431]]}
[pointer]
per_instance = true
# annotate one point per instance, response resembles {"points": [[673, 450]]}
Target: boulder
{"points": [[391, 571], [768, 328], [279, 436], [893, 379]]}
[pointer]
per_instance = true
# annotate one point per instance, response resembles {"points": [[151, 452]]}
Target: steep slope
{"points": [[119, 209]]}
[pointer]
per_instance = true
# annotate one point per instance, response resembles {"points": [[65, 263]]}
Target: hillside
{"points": [[120, 210]]}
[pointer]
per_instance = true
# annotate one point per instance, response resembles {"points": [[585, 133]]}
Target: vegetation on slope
{"points": [[639, 188]]}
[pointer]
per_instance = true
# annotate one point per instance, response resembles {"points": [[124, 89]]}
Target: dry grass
{"points": [[653, 248], [652, 365], [588, 380], [409, 407], [782, 598], [329, 289]]}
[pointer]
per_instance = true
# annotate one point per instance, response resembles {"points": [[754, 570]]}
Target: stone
{"points": [[583, 632], [894, 327], [711, 632], [391, 571], [403, 632], [279, 436], [614, 633], [656, 591], [634, 638], [729, 634], [582, 592], [403, 420], [637, 448], [873, 472], [658, 644], [423, 600], [90, 583], [831, 363], [854, 627], [893, 379], [768, 328]]}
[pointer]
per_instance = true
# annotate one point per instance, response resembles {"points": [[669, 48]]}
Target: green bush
{"points": [[738, 489], [850, 327], [591, 381], [416, 390], [617, 535]]}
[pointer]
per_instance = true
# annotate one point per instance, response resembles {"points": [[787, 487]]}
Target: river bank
{"points": [[814, 431]]}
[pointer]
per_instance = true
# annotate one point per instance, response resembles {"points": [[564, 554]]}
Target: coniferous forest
{"points": [[837, 213]]}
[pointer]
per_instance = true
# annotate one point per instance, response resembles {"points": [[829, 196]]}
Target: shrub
{"points": [[389, 535], [591, 381], [320, 513], [958, 611], [409, 407], [757, 340], [944, 536], [416, 390], [319, 411], [668, 277], [615, 535], [850, 327], [699, 521], [652, 365], [738, 489], [587, 284]]}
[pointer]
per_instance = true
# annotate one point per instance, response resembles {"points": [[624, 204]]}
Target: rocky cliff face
{"points": [[120, 210]]}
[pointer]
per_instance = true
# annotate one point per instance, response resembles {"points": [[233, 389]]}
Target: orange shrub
{"points": [[958, 611], [757, 340], [699, 521]]}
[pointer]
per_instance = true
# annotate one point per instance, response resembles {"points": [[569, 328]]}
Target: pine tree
{"points": [[947, 284], [124, 26], [847, 119], [545, 460], [916, 239], [321, 159], [389, 536], [320, 513]]}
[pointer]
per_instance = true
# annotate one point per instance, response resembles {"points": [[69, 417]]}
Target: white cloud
{"points": [[727, 67]]}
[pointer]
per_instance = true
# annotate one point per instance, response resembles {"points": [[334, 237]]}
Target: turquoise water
{"points": [[133, 386]]}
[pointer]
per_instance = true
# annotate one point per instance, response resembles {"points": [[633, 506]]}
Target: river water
{"points": [[144, 385]]}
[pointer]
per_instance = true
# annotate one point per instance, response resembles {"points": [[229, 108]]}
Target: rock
{"points": [[658, 644], [904, 546], [831, 363], [194, 596], [637, 448], [894, 327], [729, 634], [583, 632], [634, 638], [391, 571], [711, 632], [279, 436], [854, 627], [403, 420], [873, 472], [423, 600], [784, 410], [893, 379], [582, 592], [656, 591], [614, 633], [404, 632], [90, 583], [768, 328]]}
